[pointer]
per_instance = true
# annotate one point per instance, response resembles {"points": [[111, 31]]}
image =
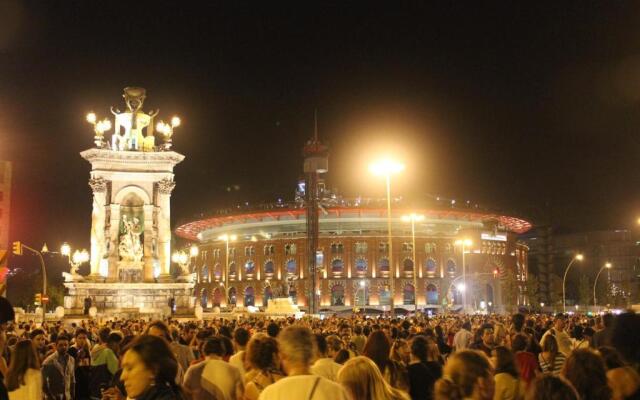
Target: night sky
{"points": [[529, 109]]}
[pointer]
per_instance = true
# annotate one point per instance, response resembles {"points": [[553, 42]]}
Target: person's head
{"points": [[400, 351], [334, 345], [62, 344], [486, 334], [520, 342], [466, 325], [585, 369], [297, 347], [214, 346], [625, 337], [38, 338], [82, 337], [550, 345], [113, 341], [559, 322], [262, 352], [273, 329], [159, 329], [147, 362], [467, 373], [607, 320], [22, 358], [577, 332], [342, 356], [103, 335], [504, 361], [420, 348], [518, 321], [612, 359], [321, 345], [6, 313], [241, 337], [549, 387], [363, 380], [228, 345], [378, 348]]}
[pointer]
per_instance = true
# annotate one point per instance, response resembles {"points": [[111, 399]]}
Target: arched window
{"points": [[337, 248], [408, 294], [337, 265], [383, 264], [432, 294], [451, 266], [407, 265], [268, 294], [291, 266], [204, 274], [249, 267], [217, 297], [337, 295], [385, 296], [249, 297], [269, 268], [217, 271], [430, 266], [361, 265], [232, 296]]}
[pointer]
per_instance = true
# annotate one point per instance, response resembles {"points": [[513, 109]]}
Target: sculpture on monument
{"points": [[132, 122], [130, 246]]}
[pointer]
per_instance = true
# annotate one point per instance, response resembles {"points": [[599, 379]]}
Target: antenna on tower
{"points": [[315, 125]]}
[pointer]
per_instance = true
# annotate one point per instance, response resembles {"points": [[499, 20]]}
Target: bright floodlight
{"points": [[607, 265], [461, 287], [362, 284], [579, 257], [194, 251], [386, 167], [227, 238], [175, 121], [65, 249], [412, 217], [91, 118]]}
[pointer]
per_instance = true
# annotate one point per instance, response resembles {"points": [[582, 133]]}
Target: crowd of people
{"points": [[480, 357]]}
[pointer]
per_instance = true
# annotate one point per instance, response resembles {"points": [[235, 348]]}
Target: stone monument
{"points": [[132, 180]]}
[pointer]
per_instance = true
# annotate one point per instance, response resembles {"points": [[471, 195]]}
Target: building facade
{"points": [[268, 257]]}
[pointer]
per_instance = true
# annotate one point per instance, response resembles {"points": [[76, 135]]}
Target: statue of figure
{"points": [[130, 247], [133, 121]]}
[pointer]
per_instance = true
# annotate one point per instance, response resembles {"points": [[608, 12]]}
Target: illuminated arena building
{"points": [[262, 250]]}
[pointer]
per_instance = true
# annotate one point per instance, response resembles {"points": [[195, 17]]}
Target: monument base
{"points": [[282, 305], [130, 299]]}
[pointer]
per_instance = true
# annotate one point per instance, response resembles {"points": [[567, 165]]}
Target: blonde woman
{"points": [[363, 381], [467, 375]]}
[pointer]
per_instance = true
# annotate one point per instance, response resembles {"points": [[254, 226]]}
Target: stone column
{"points": [[98, 213], [147, 273], [113, 242], [165, 187]]}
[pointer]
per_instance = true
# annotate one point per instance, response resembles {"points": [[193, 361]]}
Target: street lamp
{"points": [[606, 265], [99, 128], [413, 218], [183, 259], [167, 130], [76, 259], [464, 243], [227, 238], [387, 168], [578, 257]]}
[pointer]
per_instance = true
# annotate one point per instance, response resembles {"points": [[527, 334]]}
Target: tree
{"points": [[555, 289], [584, 290], [533, 290], [509, 291]]}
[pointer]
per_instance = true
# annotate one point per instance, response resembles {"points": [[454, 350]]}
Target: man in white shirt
{"points": [[297, 345], [240, 339], [324, 365], [565, 345], [463, 337], [214, 379]]}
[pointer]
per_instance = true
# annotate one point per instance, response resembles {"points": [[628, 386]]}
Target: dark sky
{"points": [[511, 105]]}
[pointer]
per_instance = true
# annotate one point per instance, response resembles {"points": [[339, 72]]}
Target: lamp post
{"points": [[167, 131], [361, 285], [226, 238], [578, 257], [464, 243], [413, 218], [183, 259], [99, 128], [387, 168], [78, 258], [606, 265]]}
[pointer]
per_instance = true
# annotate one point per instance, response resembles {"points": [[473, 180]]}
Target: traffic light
{"points": [[17, 248], [38, 300]]}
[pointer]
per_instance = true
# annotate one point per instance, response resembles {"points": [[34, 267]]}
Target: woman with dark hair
{"points": [[378, 349], [623, 379], [262, 358], [578, 339], [149, 370], [526, 362], [467, 375], [506, 375], [586, 371], [551, 360], [24, 379], [424, 368], [549, 387]]}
